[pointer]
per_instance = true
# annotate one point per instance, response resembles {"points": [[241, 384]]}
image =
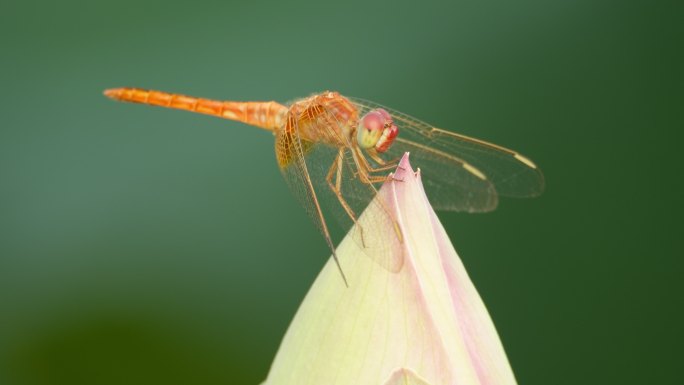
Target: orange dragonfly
{"points": [[334, 151]]}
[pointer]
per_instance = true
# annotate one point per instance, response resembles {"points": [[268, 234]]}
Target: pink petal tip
{"points": [[403, 168]]}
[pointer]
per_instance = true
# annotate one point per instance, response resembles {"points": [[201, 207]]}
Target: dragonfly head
{"points": [[376, 130]]}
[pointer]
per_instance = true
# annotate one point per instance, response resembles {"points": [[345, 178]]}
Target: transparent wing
{"points": [[290, 150], [432, 149], [326, 181], [450, 183]]}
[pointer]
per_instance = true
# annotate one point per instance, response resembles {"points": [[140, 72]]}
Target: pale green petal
{"points": [[424, 324]]}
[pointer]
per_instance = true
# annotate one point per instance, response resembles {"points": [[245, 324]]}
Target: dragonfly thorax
{"points": [[327, 117]]}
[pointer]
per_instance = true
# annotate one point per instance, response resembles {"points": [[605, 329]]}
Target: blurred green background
{"points": [[148, 246]]}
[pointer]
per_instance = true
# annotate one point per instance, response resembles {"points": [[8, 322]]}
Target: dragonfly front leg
{"points": [[384, 166], [336, 170], [365, 169], [377, 159]]}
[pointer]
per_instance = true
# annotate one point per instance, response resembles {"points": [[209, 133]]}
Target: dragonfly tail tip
{"points": [[113, 93]]}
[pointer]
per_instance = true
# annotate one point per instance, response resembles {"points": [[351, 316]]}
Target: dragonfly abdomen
{"points": [[267, 115]]}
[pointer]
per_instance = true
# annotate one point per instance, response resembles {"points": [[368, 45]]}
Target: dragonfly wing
{"points": [[450, 183], [290, 153], [511, 173], [376, 232], [326, 181]]}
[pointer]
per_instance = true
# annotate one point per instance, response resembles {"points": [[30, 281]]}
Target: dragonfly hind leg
{"points": [[336, 171]]}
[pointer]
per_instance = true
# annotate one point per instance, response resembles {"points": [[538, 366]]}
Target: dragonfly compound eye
{"points": [[388, 134], [370, 129], [389, 129]]}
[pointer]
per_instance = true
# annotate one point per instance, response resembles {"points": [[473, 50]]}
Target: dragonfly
{"points": [[335, 151]]}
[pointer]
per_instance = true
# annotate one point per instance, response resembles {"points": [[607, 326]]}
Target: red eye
{"points": [[387, 138], [384, 114], [373, 121]]}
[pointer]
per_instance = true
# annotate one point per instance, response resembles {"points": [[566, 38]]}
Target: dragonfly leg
{"points": [[384, 166], [387, 165], [377, 159], [365, 169], [336, 169], [363, 173]]}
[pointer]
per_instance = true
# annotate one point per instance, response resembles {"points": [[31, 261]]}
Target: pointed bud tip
{"points": [[403, 168]]}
